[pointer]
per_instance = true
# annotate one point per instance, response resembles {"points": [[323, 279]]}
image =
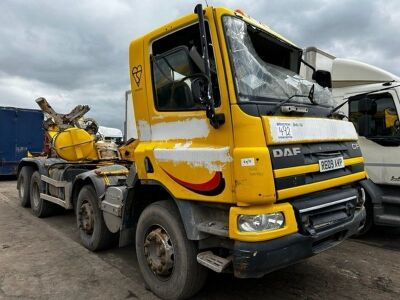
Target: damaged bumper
{"points": [[255, 259]]}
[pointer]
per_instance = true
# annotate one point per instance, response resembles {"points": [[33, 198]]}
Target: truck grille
{"points": [[284, 157], [322, 211]]}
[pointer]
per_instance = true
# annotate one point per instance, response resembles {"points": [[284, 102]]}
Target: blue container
{"points": [[21, 130]]}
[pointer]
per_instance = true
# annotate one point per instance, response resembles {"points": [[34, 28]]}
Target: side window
{"points": [[379, 119], [171, 67]]}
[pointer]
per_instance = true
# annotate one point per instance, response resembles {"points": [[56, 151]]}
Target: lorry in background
{"points": [[236, 167], [110, 134], [130, 130], [371, 102], [21, 132]]}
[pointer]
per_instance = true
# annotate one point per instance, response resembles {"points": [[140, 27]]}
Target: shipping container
{"points": [[21, 130]]}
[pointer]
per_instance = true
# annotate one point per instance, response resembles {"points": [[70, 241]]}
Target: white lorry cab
{"points": [[369, 97], [110, 134]]}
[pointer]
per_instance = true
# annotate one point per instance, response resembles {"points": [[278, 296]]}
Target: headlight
{"points": [[262, 222]]}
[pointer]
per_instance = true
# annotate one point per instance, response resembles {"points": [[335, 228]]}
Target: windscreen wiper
{"points": [[310, 97], [333, 110]]}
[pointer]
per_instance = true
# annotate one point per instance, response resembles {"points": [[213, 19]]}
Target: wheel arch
{"points": [[191, 213], [29, 162]]}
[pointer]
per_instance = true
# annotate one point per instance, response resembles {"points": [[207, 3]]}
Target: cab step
{"points": [[213, 262]]}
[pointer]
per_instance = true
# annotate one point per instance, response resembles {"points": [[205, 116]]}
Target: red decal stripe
{"points": [[202, 187]]}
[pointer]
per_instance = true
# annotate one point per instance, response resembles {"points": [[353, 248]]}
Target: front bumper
{"points": [[255, 259]]}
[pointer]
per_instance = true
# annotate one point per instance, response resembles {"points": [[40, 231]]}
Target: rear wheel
{"points": [[93, 232], [167, 259], [23, 184], [40, 208]]}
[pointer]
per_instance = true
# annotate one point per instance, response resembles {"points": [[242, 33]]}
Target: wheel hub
{"points": [[159, 252], [86, 217]]}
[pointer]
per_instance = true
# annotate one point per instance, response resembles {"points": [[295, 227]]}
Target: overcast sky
{"points": [[76, 52]]}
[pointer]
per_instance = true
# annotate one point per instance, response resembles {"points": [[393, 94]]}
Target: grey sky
{"points": [[76, 52]]}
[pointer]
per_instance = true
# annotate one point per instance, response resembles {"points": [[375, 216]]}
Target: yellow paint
{"points": [[289, 227], [74, 144], [319, 186], [254, 184], [390, 117], [127, 152], [250, 189], [279, 173]]}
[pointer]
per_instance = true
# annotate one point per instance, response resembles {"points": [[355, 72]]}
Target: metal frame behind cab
{"points": [[67, 186]]}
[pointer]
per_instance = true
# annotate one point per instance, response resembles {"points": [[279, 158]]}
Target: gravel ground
{"points": [[42, 259]]}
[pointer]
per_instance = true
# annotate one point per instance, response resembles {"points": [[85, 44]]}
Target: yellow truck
{"points": [[237, 166]]}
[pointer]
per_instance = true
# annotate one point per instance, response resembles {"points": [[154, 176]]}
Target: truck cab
{"points": [[371, 102], [284, 172], [236, 167]]}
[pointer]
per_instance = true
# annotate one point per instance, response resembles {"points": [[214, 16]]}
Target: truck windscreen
{"points": [[266, 68]]}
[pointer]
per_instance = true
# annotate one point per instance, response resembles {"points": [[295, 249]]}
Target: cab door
{"points": [[379, 132], [179, 147]]}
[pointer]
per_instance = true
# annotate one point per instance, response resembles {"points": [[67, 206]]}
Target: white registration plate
{"points": [[330, 164]]}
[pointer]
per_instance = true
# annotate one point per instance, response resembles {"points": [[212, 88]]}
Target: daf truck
{"points": [[236, 167], [369, 97]]}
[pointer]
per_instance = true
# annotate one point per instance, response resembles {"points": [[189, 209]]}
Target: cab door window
{"points": [[173, 62], [378, 119]]}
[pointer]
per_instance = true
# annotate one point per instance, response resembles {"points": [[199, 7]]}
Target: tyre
{"points": [[93, 232], [40, 208], [166, 258], [23, 184]]}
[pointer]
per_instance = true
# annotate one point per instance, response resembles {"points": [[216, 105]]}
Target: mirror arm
{"points": [[215, 120], [310, 66]]}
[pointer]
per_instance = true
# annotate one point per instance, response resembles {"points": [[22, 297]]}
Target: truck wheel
{"points": [[166, 258], [23, 184], [93, 232], [40, 208]]}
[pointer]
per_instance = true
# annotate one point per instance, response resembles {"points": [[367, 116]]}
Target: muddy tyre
{"points": [[166, 258], [93, 232], [40, 208], [23, 184]]}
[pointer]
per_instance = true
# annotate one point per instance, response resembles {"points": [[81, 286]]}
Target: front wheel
{"points": [[166, 258]]}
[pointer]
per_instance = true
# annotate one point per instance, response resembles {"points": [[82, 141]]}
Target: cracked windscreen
{"points": [[266, 68]]}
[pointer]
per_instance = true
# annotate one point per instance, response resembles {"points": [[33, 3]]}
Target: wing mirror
{"points": [[323, 78], [199, 87]]}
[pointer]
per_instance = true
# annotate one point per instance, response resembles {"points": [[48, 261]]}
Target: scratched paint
{"points": [[144, 131], [213, 159], [186, 129]]}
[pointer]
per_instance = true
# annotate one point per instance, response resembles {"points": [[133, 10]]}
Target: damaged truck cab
{"points": [[288, 175], [236, 167]]}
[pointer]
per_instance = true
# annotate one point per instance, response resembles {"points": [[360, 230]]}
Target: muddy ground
{"points": [[42, 259]]}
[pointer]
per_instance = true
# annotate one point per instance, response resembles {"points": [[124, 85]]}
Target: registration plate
{"points": [[330, 164]]}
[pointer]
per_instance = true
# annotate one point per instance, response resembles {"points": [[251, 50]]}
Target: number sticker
{"points": [[284, 131], [247, 162]]}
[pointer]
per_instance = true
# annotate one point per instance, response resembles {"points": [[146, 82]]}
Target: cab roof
{"points": [[187, 19]]}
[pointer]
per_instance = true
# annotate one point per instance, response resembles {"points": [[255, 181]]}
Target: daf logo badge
{"points": [[285, 152], [355, 146]]}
